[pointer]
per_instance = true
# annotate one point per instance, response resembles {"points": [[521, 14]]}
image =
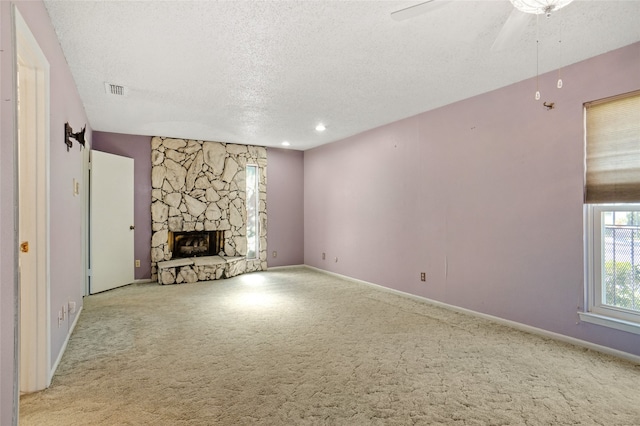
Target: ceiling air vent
{"points": [[115, 89]]}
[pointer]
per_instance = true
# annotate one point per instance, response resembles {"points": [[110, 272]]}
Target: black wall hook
{"points": [[69, 136]]}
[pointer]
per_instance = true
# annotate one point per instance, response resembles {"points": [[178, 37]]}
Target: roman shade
{"points": [[613, 150]]}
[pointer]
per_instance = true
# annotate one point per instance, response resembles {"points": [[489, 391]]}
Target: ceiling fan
{"points": [[511, 30]]}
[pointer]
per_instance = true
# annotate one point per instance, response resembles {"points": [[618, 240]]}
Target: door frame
{"points": [[86, 217], [34, 302]]}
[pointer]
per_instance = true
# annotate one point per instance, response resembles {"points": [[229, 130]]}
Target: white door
{"points": [[111, 253], [33, 209]]}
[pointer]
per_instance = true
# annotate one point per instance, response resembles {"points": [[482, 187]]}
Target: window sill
{"points": [[605, 321]]}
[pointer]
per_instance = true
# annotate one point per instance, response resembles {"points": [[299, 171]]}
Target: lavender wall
{"points": [[138, 148], [66, 211], [484, 195], [7, 242], [285, 207]]}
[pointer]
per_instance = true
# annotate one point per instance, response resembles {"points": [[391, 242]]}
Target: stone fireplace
{"points": [[195, 243], [198, 206]]}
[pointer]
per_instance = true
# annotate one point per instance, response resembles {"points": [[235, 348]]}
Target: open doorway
{"points": [[33, 208]]}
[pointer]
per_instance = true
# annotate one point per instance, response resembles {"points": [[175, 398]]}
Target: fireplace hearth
{"points": [[195, 243]]}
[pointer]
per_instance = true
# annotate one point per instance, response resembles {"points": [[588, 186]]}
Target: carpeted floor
{"points": [[298, 347]]}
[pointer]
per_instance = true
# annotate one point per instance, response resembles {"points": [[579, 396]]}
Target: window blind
{"points": [[613, 150]]}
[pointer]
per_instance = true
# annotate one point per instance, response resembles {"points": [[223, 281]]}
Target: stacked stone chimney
{"points": [[199, 186]]}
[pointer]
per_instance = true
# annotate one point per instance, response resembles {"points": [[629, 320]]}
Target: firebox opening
{"points": [[195, 243]]}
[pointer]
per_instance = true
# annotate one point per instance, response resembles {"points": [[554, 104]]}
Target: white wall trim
{"points": [[144, 281], [15, 405], [518, 326], [54, 367], [276, 268]]}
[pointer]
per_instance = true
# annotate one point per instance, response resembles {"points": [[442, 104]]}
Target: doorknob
{"points": [[132, 227], [24, 247]]}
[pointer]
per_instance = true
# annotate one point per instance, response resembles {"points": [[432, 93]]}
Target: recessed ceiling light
{"points": [[320, 127], [285, 143]]}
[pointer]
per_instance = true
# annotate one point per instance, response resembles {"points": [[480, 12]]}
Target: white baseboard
{"points": [[275, 268], [513, 324], [144, 281], [64, 345]]}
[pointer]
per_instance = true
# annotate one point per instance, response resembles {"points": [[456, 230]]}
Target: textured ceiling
{"points": [[265, 72]]}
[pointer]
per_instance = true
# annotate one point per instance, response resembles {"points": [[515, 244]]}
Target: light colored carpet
{"points": [[298, 347]]}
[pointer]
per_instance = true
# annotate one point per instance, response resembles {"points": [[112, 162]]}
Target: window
{"points": [[253, 233], [612, 197]]}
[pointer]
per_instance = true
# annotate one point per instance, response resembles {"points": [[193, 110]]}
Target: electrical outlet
{"points": [[323, 256], [423, 276], [274, 254], [72, 307], [137, 263]]}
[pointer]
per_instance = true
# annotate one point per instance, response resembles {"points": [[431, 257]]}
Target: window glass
{"points": [[252, 212], [621, 259]]}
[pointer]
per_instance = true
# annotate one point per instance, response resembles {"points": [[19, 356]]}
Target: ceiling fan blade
{"points": [[418, 9], [512, 30]]}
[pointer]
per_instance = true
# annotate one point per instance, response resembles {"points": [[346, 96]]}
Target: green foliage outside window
{"points": [[622, 285]]}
